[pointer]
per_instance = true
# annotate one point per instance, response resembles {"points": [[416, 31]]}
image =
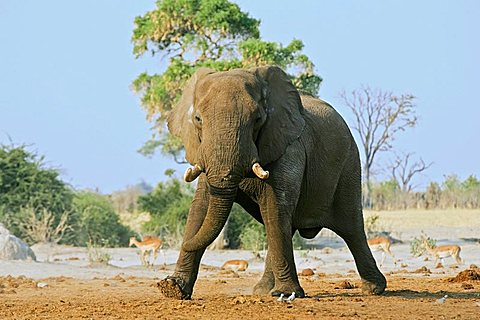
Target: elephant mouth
{"points": [[220, 191], [192, 173]]}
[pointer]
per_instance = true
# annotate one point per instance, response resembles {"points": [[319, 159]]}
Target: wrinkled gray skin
{"points": [[230, 120]]}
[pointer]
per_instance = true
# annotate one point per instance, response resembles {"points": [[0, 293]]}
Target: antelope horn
{"points": [[192, 173], [259, 172]]}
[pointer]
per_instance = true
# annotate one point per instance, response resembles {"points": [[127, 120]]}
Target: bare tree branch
{"points": [[378, 117], [403, 170]]}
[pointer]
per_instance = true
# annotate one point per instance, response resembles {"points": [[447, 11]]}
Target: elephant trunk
{"points": [[219, 206]]}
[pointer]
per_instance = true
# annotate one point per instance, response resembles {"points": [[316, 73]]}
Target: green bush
{"points": [[168, 205], [27, 186], [237, 221], [99, 224], [298, 242], [417, 245], [253, 236]]}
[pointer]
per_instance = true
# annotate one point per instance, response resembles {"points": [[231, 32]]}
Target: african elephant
{"points": [[289, 160]]}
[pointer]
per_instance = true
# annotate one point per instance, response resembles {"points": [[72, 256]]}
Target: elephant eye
{"points": [[198, 120], [258, 119]]}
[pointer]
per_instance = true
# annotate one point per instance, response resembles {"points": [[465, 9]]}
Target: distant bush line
{"points": [[452, 193]]}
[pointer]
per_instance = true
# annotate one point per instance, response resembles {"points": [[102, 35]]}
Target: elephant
{"points": [[288, 159]]}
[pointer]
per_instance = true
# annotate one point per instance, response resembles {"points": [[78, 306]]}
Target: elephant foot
{"points": [[264, 286], [287, 291], [173, 287], [374, 288]]}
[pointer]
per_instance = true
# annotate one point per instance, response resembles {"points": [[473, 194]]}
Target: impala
{"points": [[236, 265], [147, 246], [381, 244], [444, 251]]}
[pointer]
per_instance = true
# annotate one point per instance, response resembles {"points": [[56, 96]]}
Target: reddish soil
{"points": [[409, 296]]}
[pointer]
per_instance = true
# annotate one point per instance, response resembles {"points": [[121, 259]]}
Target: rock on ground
{"points": [[13, 248]]}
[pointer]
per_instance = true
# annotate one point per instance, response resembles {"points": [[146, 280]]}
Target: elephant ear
{"points": [[180, 117], [284, 109]]}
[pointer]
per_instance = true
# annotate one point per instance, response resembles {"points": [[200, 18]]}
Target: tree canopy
{"points": [[189, 34]]}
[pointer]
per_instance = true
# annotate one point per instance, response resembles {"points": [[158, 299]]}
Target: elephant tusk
{"points": [[259, 172], [192, 173]]}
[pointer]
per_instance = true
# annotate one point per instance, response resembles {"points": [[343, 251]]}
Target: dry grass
{"points": [[424, 218]]}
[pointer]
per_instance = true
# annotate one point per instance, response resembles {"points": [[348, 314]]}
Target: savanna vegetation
{"points": [[38, 206]]}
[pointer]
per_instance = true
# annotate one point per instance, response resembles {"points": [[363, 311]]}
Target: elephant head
{"points": [[231, 123]]}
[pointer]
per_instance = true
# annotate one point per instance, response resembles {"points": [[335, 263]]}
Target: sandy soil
{"points": [[225, 296]]}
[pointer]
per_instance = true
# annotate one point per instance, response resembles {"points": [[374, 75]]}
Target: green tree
{"points": [[99, 223], [31, 193], [471, 183], [203, 33], [471, 192], [384, 195], [451, 188], [168, 205]]}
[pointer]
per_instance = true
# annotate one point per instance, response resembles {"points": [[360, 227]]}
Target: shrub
{"points": [[168, 205], [97, 254], [40, 225], [237, 221], [98, 221], [417, 245], [253, 236], [26, 185], [298, 242]]}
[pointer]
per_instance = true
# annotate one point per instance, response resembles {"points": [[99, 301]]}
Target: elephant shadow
{"points": [[405, 293]]}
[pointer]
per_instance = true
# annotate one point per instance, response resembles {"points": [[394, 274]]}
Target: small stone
{"points": [[345, 285], [307, 272]]}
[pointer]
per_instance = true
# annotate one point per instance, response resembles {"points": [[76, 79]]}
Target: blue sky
{"points": [[66, 67]]}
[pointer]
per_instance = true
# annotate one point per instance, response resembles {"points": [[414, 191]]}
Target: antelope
{"points": [[444, 251], [381, 244], [147, 246], [236, 265]]}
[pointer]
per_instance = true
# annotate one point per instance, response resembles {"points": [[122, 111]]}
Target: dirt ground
{"points": [[227, 296], [63, 284]]}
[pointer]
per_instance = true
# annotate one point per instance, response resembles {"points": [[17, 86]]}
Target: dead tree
{"points": [[378, 117], [403, 170]]}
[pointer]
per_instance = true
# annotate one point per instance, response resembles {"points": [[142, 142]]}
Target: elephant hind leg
{"points": [[347, 222], [373, 281]]}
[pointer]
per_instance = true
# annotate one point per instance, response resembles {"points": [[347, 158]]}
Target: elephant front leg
{"points": [[267, 282], [180, 284], [277, 215], [280, 247]]}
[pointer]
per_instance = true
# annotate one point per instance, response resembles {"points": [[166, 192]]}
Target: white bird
{"points": [[291, 298], [280, 299], [441, 300]]}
